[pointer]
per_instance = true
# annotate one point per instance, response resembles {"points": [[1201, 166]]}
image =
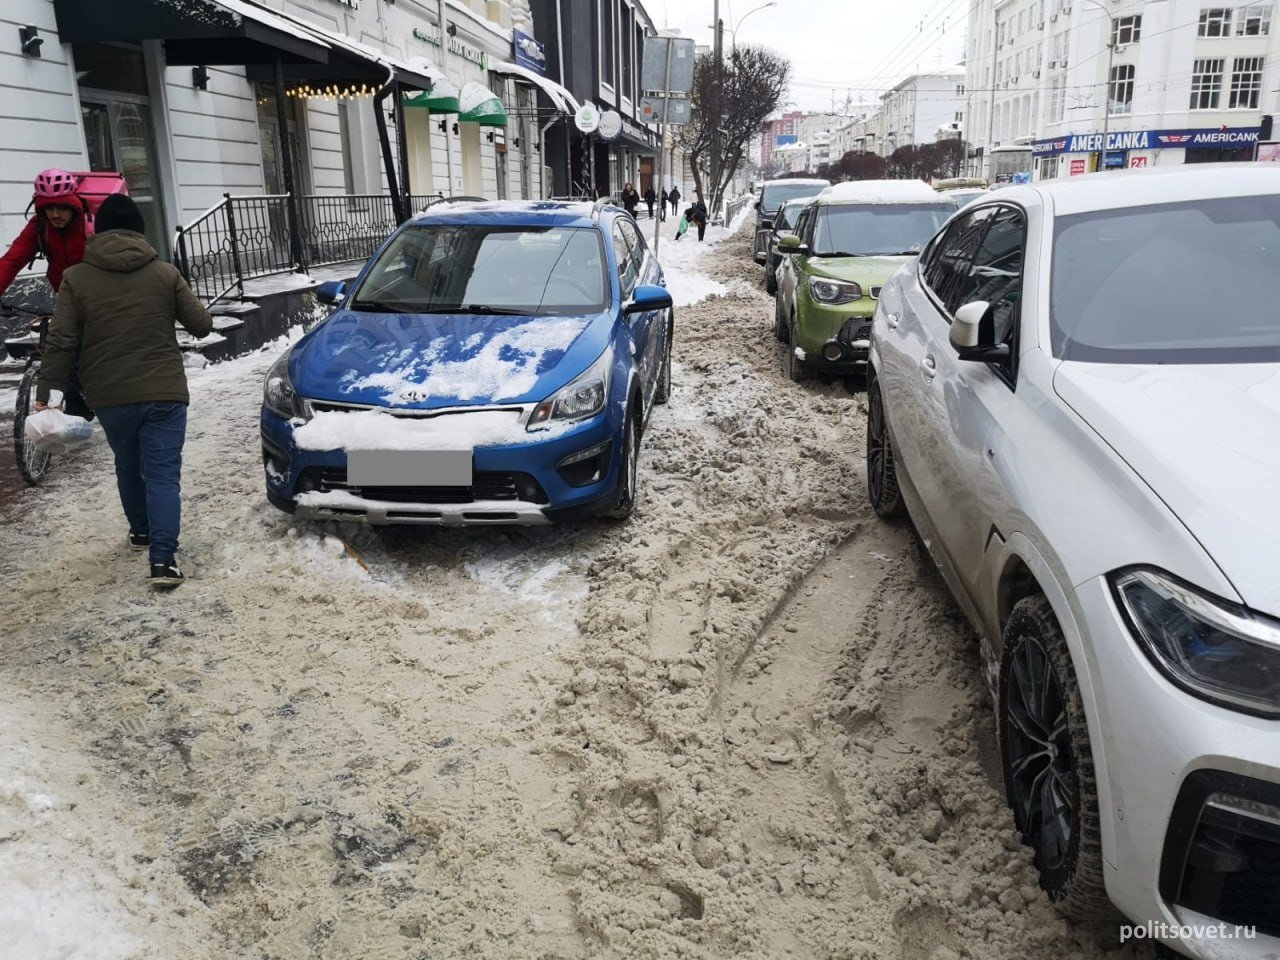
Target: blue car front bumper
{"points": [[553, 476]]}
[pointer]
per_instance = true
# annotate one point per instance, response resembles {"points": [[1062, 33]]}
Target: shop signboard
{"points": [[530, 54], [1206, 138], [1077, 166]]}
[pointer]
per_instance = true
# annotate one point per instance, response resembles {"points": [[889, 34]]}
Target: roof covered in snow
{"points": [[879, 191]]}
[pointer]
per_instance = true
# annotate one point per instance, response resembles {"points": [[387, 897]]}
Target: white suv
{"points": [[1075, 392]]}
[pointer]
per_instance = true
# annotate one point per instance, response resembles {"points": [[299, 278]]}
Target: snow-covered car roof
{"points": [[1137, 188], [879, 191], [796, 180]]}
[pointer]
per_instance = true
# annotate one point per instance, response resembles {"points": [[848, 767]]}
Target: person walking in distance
{"points": [[630, 199], [650, 198], [698, 215], [674, 197], [120, 305]]}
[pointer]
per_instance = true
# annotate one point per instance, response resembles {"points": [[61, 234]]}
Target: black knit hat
{"points": [[119, 212]]}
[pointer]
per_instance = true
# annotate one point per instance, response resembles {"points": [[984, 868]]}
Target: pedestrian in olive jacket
{"points": [[120, 306]]}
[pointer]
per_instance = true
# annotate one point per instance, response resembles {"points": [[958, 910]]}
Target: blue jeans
{"points": [[147, 440]]}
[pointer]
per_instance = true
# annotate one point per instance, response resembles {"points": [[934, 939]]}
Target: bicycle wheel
{"points": [[32, 464]]}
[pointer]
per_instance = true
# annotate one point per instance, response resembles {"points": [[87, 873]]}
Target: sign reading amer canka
{"points": [[1192, 139]]}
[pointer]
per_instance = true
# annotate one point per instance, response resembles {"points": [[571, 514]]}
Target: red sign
{"points": [[1137, 161], [1077, 167]]}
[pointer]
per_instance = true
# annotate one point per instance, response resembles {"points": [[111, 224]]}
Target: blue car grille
{"points": [[485, 485]]}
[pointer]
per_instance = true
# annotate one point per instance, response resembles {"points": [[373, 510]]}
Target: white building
{"points": [[915, 108], [182, 99], [1168, 81]]}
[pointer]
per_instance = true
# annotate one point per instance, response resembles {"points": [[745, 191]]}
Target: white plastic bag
{"points": [[52, 431]]}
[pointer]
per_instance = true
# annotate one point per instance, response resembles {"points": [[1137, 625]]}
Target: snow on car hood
{"points": [[1204, 439], [438, 360], [862, 270]]}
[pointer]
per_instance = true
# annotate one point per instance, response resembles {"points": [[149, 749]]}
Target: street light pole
{"points": [[1106, 86], [734, 31], [718, 42]]}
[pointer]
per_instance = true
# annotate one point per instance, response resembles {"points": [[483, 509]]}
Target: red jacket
{"points": [[64, 248]]}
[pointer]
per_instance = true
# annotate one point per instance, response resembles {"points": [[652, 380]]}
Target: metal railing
{"points": [[243, 238], [734, 207]]}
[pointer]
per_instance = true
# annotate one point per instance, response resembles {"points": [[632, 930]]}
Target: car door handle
{"points": [[891, 320], [928, 367]]}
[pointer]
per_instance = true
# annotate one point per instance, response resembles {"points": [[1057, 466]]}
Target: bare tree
{"points": [[750, 88]]}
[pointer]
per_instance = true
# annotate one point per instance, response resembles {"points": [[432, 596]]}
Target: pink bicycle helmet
{"points": [[55, 186]]}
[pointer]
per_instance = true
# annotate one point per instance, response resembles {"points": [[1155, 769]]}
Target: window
{"points": [[1246, 83], [1215, 22], [947, 273], [1126, 30], [996, 275], [959, 89], [1120, 89], [344, 136], [1022, 21], [1206, 84], [1057, 99], [608, 44], [628, 264], [959, 116], [1254, 20]]}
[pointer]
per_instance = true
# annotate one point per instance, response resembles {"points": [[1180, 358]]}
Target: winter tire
{"points": [[32, 464], [662, 392], [770, 281], [779, 326], [1047, 761], [628, 471], [796, 372], [882, 472]]}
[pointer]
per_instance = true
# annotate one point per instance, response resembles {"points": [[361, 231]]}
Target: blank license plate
{"points": [[409, 468]]}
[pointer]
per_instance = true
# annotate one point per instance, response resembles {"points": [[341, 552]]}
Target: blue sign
{"points": [[1193, 139], [530, 54], [784, 139], [1021, 177]]}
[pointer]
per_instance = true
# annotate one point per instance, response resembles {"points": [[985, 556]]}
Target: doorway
{"points": [[115, 111]]}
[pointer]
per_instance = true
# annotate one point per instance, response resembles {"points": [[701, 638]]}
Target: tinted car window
{"points": [[628, 266], [948, 270], [787, 216], [775, 195], [1191, 282], [884, 229], [996, 274], [532, 270]]}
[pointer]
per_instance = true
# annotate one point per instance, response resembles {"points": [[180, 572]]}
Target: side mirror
{"points": [[791, 244], [331, 291], [648, 297], [756, 204], [966, 335]]}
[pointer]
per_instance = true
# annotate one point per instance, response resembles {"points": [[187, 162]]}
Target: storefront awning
{"points": [[229, 32], [443, 97], [564, 101], [479, 104]]}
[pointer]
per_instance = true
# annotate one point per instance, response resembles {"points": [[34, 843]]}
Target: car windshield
{"points": [[1121, 291], [525, 270], [961, 197], [776, 194], [877, 229]]}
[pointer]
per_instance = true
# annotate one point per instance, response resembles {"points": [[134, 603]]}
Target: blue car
{"points": [[494, 363]]}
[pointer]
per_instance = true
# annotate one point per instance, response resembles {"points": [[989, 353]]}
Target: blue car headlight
{"points": [[278, 394], [583, 398], [1210, 647]]}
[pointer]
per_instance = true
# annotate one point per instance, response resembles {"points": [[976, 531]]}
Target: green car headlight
{"points": [[824, 290]]}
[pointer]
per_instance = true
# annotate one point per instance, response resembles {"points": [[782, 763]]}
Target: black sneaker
{"points": [[165, 574], [139, 541]]}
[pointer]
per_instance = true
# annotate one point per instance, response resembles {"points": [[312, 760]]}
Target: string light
{"points": [[332, 91]]}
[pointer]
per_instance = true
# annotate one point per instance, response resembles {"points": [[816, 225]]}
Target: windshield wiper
{"points": [[378, 306], [484, 308], [840, 253], [900, 253]]}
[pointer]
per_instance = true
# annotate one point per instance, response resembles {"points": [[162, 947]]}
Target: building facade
{"points": [[183, 99], [595, 49], [916, 108], [1166, 82]]}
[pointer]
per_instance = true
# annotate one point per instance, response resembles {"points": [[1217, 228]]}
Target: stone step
{"points": [[187, 342]]}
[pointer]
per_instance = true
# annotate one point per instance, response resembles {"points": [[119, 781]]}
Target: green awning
{"points": [[479, 104], [442, 98]]}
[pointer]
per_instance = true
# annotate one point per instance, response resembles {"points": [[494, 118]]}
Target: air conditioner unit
{"points": [[1054, 18], [1062, 63], [1066, 9], [1040, 26], [1036, 74]]}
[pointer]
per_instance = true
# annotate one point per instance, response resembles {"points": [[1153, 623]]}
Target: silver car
{"points": [[1075, 393]]}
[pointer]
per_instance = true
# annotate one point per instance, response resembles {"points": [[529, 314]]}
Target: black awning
{"points": [[225, 32]]}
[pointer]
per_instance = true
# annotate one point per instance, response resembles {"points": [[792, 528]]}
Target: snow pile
{"points": [[378, 430]]}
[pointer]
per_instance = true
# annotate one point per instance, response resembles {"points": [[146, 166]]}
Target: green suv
{"points": [[848, 241]]}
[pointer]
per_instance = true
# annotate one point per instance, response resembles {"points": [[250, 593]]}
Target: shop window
{"points": [[1120, 89], [1246, 83], [1254, 20], [1206, 84], [1215, 22], [1126, 30]]}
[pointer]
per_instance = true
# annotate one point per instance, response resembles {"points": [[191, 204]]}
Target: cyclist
{"points": [[59, 231]]}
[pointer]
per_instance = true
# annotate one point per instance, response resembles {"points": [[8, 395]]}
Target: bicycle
{"points": [[32, 464]]}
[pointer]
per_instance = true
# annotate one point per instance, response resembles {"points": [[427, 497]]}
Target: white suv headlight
{"points": [[1210, 647], [583, 398]]}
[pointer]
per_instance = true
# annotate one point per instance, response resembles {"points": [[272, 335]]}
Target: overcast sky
{"points": [[854, 49]]}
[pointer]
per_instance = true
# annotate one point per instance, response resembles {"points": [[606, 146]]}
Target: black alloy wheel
{"points": [[1048, 763], [883, 489]]}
